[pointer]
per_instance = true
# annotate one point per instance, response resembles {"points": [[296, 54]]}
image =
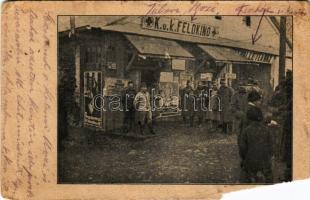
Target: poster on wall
{"points": [[169, 98], [166, 76], [92, 100]]}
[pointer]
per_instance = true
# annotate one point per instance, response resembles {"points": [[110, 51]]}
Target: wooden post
{"points": [[76, 64], [282, 49]]}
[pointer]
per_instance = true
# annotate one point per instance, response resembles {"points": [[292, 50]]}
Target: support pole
{"points": [[282, 49]]}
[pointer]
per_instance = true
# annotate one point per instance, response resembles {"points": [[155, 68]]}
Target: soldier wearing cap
{"points": [[200, 105], [142, 104], [207, 101], [226, 94], [253, 84], [187, 95], [214, 110], [129, 110], [239, 108]]}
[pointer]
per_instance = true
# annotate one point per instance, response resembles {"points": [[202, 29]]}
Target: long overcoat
{"points": [[226, 94]]}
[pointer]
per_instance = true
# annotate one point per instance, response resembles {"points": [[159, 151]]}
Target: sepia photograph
{"points": [[174, 99]]}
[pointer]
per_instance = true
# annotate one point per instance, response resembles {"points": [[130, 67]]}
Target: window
{"points": [[218, 17], [247, 20]]}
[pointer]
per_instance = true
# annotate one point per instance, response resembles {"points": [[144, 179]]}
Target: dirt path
{"points": [[176, 155]]}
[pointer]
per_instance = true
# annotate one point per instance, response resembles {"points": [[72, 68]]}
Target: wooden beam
{"points": [[200, 66], [134, 55]]}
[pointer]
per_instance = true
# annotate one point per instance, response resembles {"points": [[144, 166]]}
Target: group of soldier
{"points": [[242, 112], [140, 102], [222, 107]]}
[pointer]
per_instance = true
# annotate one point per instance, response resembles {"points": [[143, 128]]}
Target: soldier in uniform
{"points": [[200, 106], [186, 102], [214, 111], [226, 94], [129, 110], [142, 104], [239, 108], [190, 107], [207, 101]]}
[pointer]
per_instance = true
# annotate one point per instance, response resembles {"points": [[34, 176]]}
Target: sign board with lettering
{"points": [[230, 76], [256, 56], [166, 76], [178, 64], [206, 76], [171, 25]]}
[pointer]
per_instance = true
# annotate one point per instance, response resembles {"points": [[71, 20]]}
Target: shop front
{"points": [[236, 68], [108, 61], [107, 58], [161, 64]]}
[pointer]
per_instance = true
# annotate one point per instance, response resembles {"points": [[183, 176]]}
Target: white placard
{"points": [[178, 64], [206, 76], [230, 75]]}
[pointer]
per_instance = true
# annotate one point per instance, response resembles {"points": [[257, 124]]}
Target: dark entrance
{"points": [[150, 77]]}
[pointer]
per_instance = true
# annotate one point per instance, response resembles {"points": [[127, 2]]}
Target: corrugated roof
{"points": [[223, 54], [157, 46]]}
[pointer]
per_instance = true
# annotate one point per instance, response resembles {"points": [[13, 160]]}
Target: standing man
{"points": [[200, 104], [186, 102], [128, 107], [214, 111], [207, 101], [239, 108], [143, 106], [226, 94]]}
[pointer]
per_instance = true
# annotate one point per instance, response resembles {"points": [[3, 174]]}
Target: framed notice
{"points": [[178, 64]]}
